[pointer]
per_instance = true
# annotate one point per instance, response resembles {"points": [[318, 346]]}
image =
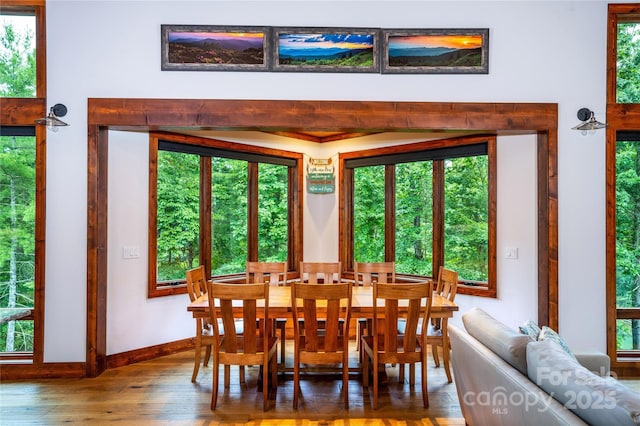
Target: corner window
{"points": [[219, 207], [423, 205]]}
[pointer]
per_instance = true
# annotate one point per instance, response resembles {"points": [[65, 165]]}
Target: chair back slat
{"points": [[366, 273], [390, 329], [274, 273], [320, 272], [332, 333], [196, 282], [311, 325], [447, 283]]}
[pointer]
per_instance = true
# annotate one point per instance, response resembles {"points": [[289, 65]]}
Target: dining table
{"points": [[361, 306]]}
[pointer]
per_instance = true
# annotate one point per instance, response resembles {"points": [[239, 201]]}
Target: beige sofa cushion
{"points": [[508, 344], [597, 400]]}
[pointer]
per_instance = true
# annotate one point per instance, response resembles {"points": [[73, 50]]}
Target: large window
{"points": [[219, 207], [17, 239], [423, 205], [623, 189], [22, 184], [628, 242]]}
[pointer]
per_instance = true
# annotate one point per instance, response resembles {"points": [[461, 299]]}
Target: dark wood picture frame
{"points": [[215, 48], [435, 51], [314, 49]]}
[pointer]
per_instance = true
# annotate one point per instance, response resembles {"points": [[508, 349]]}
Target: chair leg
{"points": [[296, 380], [345, 378], [283, 335], [445, 356], [365, 370], [227, 374], [196, 362], [376, 377], [207, 355], [425, 394], [274, 375], [214, 390], [434, 351], [265, 384]]}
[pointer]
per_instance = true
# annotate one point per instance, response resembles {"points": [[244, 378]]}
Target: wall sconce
{"points": [[589, 123], [51, 120]]}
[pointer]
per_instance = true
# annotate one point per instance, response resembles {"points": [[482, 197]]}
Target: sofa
{"points": [[506, 377]]}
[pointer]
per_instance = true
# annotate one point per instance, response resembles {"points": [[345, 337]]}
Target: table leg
{"points": [[445, 348]]}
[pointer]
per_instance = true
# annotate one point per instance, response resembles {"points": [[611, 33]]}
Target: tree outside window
{"points": [[17, 186], [628, 190], [433, 200]]}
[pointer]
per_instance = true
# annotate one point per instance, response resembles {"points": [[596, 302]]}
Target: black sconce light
{"points": [[589, 123], [51, 120]]}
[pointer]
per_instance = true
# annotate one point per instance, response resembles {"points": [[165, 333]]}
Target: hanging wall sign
{"points": [[320, 177]]}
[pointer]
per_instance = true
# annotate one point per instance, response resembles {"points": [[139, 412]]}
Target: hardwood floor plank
{"points": [[160, 391]]}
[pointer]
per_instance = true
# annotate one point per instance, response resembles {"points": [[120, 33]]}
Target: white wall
{"points": [[539, 52]]}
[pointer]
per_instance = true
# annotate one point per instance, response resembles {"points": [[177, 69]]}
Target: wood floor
{"points": [[161, 392]]}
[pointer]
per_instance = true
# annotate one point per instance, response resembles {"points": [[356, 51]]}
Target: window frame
{"points": [[22, 112], [620, 118], [200, 146], [387, 154]]}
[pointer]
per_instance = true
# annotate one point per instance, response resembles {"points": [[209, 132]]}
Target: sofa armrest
{"points": [[596, 362]]}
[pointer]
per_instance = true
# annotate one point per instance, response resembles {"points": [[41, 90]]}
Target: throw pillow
{"points": [[531, 329], [547, 333], [597, 400]]}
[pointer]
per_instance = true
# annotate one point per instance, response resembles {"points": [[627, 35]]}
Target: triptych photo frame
{"points": [[315, 49]]}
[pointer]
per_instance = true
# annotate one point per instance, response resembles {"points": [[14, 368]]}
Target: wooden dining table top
{"points": [[361, 303]]}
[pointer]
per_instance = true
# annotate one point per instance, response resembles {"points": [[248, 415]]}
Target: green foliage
{"points": [[627, 237], [360, 59], [466, 241], [466, 216], [628, 63], [17, 241], [368, 214], [178, 223], [273, 213], [229, 215], [414, 218], [17, 193], [17, 63], [628, 191]]}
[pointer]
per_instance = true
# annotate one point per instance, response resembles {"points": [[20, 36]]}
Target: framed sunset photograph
{"points": [[214, 48], [326, 49], [443, 51]]}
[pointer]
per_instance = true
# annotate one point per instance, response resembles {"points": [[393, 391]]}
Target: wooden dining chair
{"points": [[326, 311], [386, 345], [196, 287], [255, 345], [365, 274], [275, 274], [320, 273], [447, 287]]}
